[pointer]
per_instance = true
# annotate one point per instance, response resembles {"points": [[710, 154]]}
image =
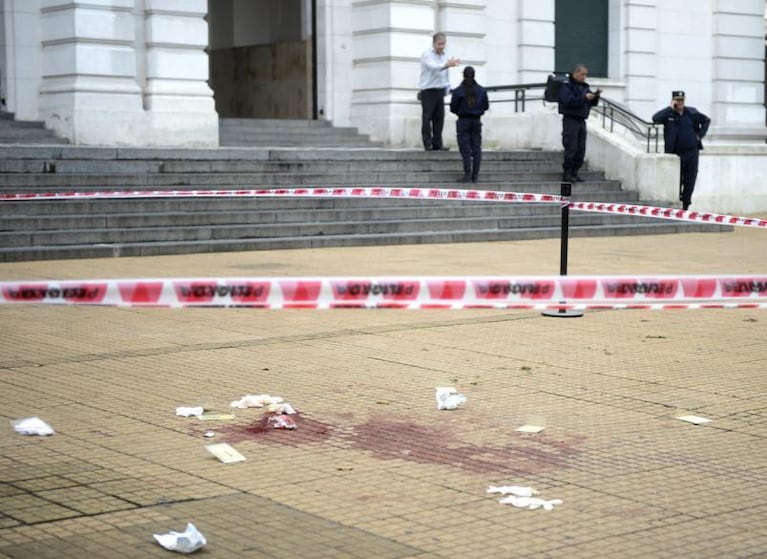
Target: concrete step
{"points": [[25, 132], [277, 132], [205, 232], [79, 228], [103, 250], [84, 166], [283, 215], [447, 179]]}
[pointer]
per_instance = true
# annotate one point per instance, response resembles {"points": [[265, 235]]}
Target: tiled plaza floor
{"points": [[374, 470]]}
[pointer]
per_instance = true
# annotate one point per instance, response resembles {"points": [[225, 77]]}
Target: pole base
{"points": [[562, 313]]}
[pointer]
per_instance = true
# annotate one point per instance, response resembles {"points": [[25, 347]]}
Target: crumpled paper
{"points": [[448, 398], [255, 401], [32, 426], [184, 542], [518, 490], [531, 503], [283, 408], [196, 411]]}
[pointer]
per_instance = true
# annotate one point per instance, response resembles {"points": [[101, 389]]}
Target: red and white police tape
{"points": [[413, 193], [324, 192], [667, 213], [523, 292]]}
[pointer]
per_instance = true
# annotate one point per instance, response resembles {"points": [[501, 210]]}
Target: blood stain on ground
{"points": [[307, 431], [437, 444], [389, 439]]}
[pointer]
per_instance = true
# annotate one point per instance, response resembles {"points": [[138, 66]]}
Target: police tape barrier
{"points": [[525, 292], [667, 213], [410, 193], [329, 192]]}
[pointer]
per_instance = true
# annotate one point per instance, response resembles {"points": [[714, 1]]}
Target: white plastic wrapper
{"points": [[196, 411], [184, 542], [32, 426], [518, 490], [448, 398], [255, 401], [283, 408]]}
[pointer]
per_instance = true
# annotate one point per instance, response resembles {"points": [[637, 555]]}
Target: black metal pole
{"points": [[315, 96], [565, 190]]}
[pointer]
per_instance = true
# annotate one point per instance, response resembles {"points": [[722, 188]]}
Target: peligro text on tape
{"points": [[319, 192], [408, 292]]}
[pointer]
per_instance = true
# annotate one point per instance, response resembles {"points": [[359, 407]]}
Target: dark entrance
{"points": [[580, 35], [261, 58]]}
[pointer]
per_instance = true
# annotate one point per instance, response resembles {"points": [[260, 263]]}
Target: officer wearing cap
{"points": [[683, 129]]}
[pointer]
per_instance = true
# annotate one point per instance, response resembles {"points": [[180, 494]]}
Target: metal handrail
{"points": [[612, 113]]}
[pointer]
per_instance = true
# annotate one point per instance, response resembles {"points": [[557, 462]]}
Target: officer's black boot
{"points": [[567, 176], [475, 172]]}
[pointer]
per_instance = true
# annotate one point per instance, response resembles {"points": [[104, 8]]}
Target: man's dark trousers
{"points": [[689, 173], [432, 117], [574, 142], [469, 133]]}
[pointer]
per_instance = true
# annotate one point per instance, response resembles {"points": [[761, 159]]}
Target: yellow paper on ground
{"points": [[224, 452], [533, 424], [215, 416]]}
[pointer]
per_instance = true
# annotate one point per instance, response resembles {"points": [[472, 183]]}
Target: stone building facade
{"points": [[161, 72]]}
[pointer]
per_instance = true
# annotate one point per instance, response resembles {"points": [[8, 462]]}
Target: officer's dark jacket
{"points": [[572, 99], [676, 135], [460, 106]]}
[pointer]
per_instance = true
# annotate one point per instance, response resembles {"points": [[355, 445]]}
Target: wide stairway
{"points": [[86, 228]]}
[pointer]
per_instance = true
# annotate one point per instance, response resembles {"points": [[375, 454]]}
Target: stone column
{"points": [[388, 39], [465, 25], [176, 96], [334, 61], [21, 52], [535, 54], [636, 36], [89, 92], [737, 96]]}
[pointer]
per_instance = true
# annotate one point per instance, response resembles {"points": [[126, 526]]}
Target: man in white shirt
{"points": [[433, 85]]}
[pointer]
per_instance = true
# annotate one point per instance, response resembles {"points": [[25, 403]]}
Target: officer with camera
{"points": [[575, 102]]}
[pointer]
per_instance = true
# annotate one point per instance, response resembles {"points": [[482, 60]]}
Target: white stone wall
{"points": [[111, 72], [20, 68]]}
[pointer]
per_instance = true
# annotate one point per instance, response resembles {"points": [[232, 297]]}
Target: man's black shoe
{"points": [[427, 148], [567, 177], [577, 177], [443, 148], [465, 178]]}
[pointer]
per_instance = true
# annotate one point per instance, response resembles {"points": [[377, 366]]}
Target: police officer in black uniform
{"points": [[469, 101], [575, 102], [683, 129]]}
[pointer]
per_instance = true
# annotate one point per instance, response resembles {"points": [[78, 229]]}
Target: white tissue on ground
{"points": [[184, 542], [32, 426], [283, 408], [196, 411], [255, 401], [531, 503], [448, 398]]}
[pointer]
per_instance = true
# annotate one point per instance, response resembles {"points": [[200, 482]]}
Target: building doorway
{"points": [[261, 58]]}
